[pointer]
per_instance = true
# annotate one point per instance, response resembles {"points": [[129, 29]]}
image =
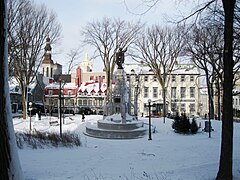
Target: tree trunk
{"points": [[164, 104], [9, 167], [218, 100], [225, 166], [24, 108]]}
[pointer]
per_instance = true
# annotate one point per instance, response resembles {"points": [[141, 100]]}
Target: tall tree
{"points": [[10, 168], [226, 157], [205, 45], [107, 36], [159, 48], [28, 27]]}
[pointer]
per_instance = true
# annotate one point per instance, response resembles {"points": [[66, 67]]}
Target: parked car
{"points": [[35, 108], [69, 111]]}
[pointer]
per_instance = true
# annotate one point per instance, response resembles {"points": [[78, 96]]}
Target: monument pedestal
{"points": [[118, 123]]}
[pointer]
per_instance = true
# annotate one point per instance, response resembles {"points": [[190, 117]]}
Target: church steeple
{"points": [[48, 45], [86, 64], [47, 58]]}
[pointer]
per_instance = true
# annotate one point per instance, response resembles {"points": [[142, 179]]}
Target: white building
{"points": [[182, 92]]}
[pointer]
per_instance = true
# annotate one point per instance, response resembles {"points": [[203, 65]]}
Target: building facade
{"points": [[182, 91]]}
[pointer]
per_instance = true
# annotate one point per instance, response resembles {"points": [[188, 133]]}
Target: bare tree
{"points": [[72, 56], [107, 36], [159, 48], [205, 45], [229, 13], [28, 27], [226, 157], [10, 168]]}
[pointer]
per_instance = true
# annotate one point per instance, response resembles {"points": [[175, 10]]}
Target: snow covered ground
{"points": [[169, 156]]}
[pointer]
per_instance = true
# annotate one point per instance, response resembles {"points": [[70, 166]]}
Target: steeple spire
{"points": [[47, 58], [48, 46]]}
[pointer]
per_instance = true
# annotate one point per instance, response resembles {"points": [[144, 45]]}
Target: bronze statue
{"points": [[120, 58]]}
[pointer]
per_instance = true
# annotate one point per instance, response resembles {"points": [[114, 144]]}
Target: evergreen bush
{"points": [[194, 126], [183, 125]]}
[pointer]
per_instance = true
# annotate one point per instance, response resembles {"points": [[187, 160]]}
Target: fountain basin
{"points": [[113, 130]]}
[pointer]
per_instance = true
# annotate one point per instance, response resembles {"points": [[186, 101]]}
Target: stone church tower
{"points": [[50, 70]]}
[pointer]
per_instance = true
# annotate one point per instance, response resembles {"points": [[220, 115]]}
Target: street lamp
{"points": [[60, 107], [30, 114], [149, 124]]}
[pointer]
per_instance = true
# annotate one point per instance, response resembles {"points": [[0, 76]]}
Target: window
{"points": [[146, 78], [100, 102], [136, 78], [182, 78], [183, 92], [145, 92], [128, 77], [80, 102], [192, 107], [191, 78], [94, 102], [183, 109], [47, 72], [84, 102], [173, 92], [136, 90], [173, 107], [71, 102], [192, 92], [155, 78], [90, 102], [69, 92], [155, 92], [145, 105], [173, 78]]}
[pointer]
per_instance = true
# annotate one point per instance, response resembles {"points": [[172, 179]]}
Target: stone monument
{"points": [[118, 122]]}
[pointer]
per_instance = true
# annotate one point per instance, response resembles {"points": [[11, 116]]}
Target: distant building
{"points": [[86, 90], [182, 93]]}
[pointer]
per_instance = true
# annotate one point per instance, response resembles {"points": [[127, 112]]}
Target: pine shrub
{"points": [[183, 125], [194, 126]]}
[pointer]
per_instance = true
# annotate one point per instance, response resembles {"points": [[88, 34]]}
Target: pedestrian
{"points": [[83, 117], [39, 114]]}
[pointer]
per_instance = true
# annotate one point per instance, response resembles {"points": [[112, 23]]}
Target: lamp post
{"points": [[149, 108], [30, 114], [60, 107]]}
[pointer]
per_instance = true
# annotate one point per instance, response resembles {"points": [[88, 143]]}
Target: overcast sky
{"points": [[74, 14]]}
